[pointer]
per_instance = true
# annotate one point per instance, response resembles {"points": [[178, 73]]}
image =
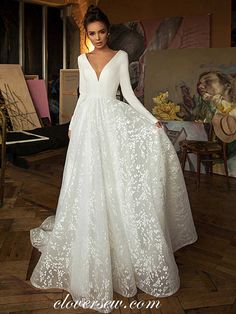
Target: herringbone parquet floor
{"points": [[207, 268]]}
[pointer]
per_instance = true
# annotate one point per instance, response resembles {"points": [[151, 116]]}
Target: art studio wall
{"points": [[220, 11]]}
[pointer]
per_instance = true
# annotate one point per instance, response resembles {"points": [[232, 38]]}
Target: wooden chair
{"points": [[207, 152], [3, 127]]}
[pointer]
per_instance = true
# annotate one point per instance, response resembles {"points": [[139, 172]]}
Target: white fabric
{"points": [[123, 207]]}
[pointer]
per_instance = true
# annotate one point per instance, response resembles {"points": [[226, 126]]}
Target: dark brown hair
{"points": [[93, 14]]}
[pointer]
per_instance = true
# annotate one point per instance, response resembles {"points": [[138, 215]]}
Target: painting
{"points": [[139, 37], [38, 93], [16, 98], [191, 85]]}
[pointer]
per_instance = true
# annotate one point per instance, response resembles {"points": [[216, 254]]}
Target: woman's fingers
{"points": [[158, 124]]}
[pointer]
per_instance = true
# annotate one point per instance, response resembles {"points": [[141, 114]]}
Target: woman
{"points": [[123, 207]]}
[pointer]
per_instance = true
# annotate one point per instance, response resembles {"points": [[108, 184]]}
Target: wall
{"points": [[122, 10]]}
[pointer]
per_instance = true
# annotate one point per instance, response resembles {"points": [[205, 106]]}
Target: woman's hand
{"points": [[158, 124], [69, 133]]}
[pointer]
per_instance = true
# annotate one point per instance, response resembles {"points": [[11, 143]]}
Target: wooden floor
{"points": [[207, 268]]}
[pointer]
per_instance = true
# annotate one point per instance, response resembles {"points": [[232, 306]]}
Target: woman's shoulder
{"points": [[123, 52], [123, 55], [80, 58], [81, 55]]}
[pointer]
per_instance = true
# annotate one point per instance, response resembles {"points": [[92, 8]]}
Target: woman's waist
{"points": [[98, 96]]}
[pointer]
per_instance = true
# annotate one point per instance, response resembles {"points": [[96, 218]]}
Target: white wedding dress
{"points": [[123, 207]]}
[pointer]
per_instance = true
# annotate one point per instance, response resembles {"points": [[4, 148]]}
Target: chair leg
{"points": [[1, 196], [226, 164], [184, 157], [226, 172], [226, 167], [211, 168], [198, 170], [2, 179], [2, 175]]}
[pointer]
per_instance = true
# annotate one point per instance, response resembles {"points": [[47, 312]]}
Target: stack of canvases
{"points": [[24, 102], [25, 105]]}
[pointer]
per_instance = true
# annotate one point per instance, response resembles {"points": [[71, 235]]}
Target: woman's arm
{"points": [[128, 92]]}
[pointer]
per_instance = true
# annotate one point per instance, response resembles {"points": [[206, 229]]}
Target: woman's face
{"points": [[210, 84], [97, 33]]}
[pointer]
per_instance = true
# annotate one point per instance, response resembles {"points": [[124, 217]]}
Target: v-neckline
{"points": [[98, 78]]}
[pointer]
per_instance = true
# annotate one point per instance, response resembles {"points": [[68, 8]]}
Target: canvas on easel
{"points": [[17, 100]]}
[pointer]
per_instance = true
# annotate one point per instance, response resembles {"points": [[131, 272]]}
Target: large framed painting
{"points": [[191, 85], [137, 38]]}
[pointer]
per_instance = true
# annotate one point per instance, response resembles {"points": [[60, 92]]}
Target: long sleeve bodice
{"points": [[114, 73]]}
